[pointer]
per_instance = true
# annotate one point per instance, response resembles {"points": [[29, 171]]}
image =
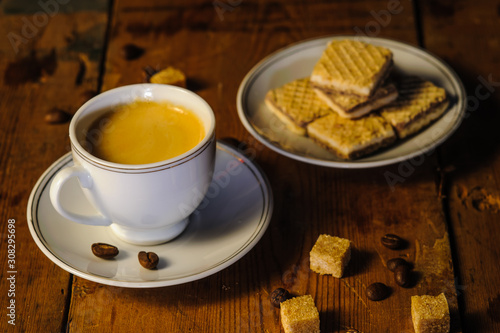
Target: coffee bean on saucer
{"points": [[393, 263], [377, 291], [279, 295], [104, 251], [392, 241], [148, 260], [131, 51], [403, 276], [56, 116]]}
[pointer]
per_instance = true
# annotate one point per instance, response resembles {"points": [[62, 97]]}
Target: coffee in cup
{"points": [[145, 200], [144, 132]]}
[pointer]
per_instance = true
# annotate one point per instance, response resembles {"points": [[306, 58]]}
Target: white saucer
{"points": [[297, 61], [229, 223]]}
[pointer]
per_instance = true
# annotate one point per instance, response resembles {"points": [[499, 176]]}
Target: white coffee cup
{"points": [[143, 204]]}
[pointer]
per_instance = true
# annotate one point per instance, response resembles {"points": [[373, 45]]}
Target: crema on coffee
{"points": [[144, 132]]}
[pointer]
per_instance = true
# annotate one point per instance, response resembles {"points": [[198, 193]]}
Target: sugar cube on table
{"points": [[330, 255]]}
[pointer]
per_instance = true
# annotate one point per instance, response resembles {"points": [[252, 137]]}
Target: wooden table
{"points": [[59, 53]]}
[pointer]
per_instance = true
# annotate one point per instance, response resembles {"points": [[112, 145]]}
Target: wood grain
{"points": [[215, 54], [39, 77], [446, 207], [472, 155]]}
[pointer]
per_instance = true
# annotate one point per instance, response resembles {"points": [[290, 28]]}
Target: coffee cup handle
{"points": [[86, 182]]}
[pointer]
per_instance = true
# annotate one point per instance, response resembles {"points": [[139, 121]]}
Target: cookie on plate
{"points": [[296, 105], [419, 103]]}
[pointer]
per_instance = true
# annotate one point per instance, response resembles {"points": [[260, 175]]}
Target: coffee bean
{"points": [[104, 251], [392, 241], [403, 276], [279, 295], [393, 263], [56, 116], [377, 291], [148, 260], [131, 51]]}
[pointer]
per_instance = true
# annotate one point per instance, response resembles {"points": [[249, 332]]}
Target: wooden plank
{"points": [[469, 41], [38, 72], [216, 53]]}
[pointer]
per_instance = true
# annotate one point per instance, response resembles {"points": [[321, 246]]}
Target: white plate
{"points": [[229, 223], [297, 61]]}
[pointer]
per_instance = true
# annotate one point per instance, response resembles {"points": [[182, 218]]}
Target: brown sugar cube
{"points": [[430, 314], [300, 315], [169, 75], [330, 255]]}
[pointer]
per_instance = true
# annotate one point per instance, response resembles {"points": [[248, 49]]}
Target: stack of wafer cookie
{"points": [[349, 104], [350, 77]]}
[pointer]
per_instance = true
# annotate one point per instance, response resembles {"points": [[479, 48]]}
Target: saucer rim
{"points": [[440, 69], [246, 246]]}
